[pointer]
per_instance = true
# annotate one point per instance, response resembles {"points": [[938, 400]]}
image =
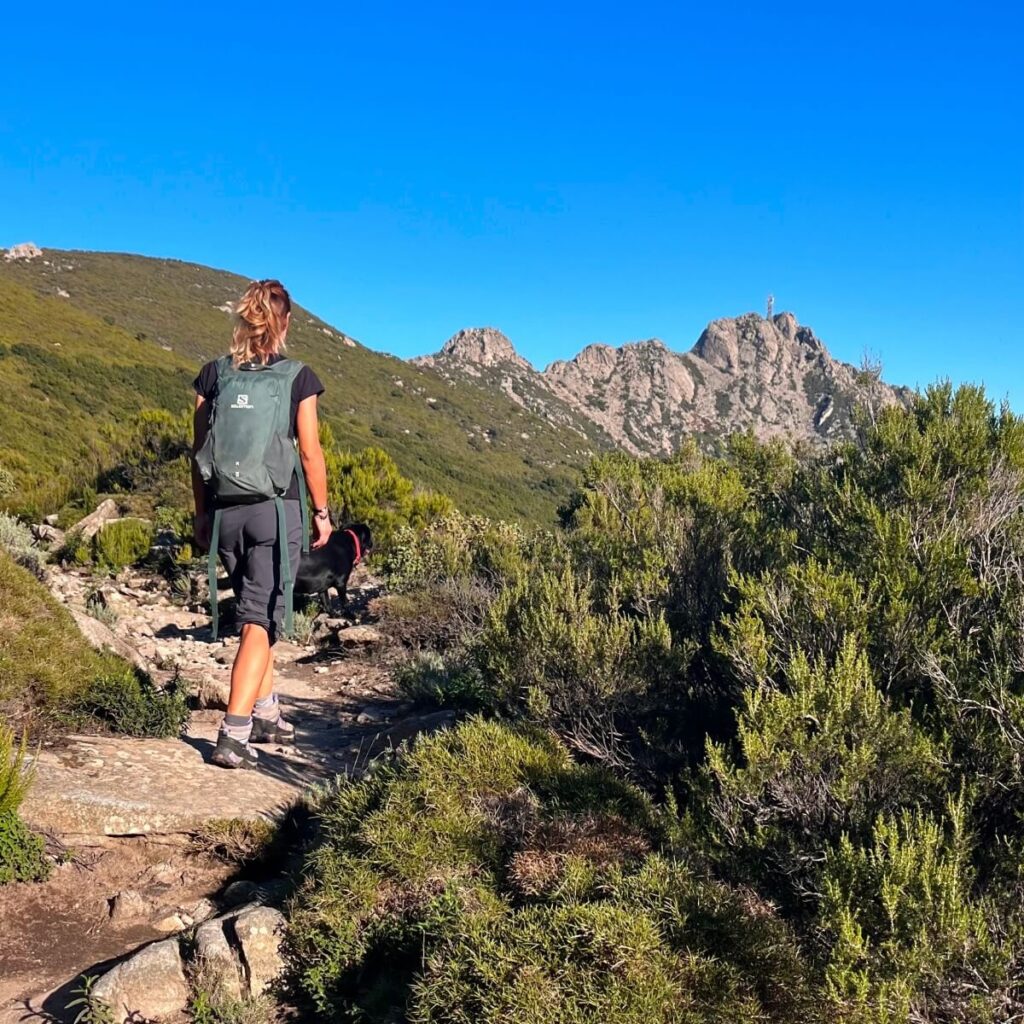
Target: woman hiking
{"points": [[252, 406]]}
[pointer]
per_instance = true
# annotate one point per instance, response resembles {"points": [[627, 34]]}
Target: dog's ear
{"points": [[365, 536]]}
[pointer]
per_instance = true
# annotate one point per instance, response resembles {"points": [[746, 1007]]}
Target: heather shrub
{"points": [[366, 486], [811, 660], [121, 543], [22, 852], [17, 540], [485, 876], [548, 652], [910, 939], [127, 703], [819, 755]]}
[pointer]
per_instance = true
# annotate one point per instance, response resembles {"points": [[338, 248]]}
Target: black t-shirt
{"points": [[305, 385]]}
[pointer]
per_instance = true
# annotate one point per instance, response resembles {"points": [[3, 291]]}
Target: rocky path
{"points": [[127, 807]]}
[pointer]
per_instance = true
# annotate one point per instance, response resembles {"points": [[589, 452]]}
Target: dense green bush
{"points": [[817, 656], [367, 487], [22, 852], [129, 704], [486, 877], [121, 543]]}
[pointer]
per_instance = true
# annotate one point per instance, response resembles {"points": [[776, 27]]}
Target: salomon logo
{"points": [[241, 402]]}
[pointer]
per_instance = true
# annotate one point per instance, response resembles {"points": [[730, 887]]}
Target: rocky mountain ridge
{"points": [[773, 376]]}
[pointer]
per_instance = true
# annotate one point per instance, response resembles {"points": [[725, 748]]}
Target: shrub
{"points": [[44, 659], [7, 485], [17, 540], [22, 852], [121, 543], [486, 877], [429, 678], [303, 622], [820, 757], [909, 941], [367, 487], [548, 651], [129, 704]]}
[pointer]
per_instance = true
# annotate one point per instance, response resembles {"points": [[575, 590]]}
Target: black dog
{"points": [[331, 565]]}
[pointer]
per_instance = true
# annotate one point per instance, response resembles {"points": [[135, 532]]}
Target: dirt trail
{"points": [[125, 807]]}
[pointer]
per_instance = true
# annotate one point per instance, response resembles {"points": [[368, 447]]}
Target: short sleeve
{"points": [[206, 383], [307, 384]]}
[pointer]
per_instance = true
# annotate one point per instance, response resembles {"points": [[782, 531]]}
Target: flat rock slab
{"points": [[118, 786]]}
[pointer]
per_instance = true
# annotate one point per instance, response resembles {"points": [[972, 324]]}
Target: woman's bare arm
{"points": [[313, 466]]}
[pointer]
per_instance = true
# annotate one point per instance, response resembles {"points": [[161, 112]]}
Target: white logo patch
{"points": [[241, 402]]}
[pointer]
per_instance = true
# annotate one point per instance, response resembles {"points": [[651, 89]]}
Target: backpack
{"points": [[249, 455]]}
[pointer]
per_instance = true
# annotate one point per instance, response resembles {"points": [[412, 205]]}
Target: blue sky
{"points": [[569, 173]]}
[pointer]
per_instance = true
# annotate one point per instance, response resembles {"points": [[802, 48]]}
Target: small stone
{"points": [[171, 921], [202, 910], [321, 670], [213, 693], [127, 905], [238, 892], [224, 657], [360, 636], [371, 716]]}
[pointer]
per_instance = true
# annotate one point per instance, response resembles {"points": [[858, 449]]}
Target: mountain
{"points": [[89, 337], [773, 376]]}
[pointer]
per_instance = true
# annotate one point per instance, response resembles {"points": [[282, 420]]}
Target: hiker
{"points": [[250, 494]]}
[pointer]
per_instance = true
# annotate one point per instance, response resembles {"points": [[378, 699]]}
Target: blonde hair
{"points": [[262, 322]]}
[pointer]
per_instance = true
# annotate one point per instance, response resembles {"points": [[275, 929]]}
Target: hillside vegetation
{"points": [[126, 322], [69, 380], [788, 781]]}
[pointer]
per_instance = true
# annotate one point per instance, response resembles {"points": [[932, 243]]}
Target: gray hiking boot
{"points": [[265, 731], [231, 753]]}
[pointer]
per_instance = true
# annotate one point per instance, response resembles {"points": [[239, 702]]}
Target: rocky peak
{"points": [[484, 346], [23, 251], [773, 376], [733, 344]]}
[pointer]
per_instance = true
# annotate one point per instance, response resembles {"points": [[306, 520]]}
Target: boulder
{"points": [[90, 525], [149, 985], [102, 637], [216, 963], [338, 631], [259, 932]]}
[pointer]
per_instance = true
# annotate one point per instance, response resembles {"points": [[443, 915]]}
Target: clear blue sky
{"points": [[567, 172]]}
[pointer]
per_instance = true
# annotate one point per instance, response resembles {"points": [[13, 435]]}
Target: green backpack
{"points": [[249, 455]]}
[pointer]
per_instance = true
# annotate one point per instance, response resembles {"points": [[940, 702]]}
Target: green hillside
{"points": [[88, 337], [66, 377]]}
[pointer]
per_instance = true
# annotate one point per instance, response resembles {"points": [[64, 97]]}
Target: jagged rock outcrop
{"points": [[23, 251], [476, 348], [773, 376]]}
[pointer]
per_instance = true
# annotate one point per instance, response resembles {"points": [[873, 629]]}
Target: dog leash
{"points": [[355, 540]]}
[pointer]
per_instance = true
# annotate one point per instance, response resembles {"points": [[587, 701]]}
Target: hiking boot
{"points": [[232, 753], [265, 731]]}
